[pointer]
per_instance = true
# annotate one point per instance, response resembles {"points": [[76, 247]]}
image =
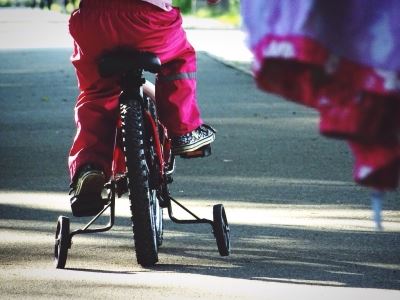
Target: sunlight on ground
{"points": [[156, 285], [322, 217], [202, 40], [28, 28]]}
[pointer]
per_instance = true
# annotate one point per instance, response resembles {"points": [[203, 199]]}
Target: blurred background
{"points": [[226, 11]]}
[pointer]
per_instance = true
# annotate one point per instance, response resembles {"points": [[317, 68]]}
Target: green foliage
{"points": [[230, 15], [227, 10], [231, 7], [56, 6], [5, 3], [8, 3], [184, 5], [196, 7]]}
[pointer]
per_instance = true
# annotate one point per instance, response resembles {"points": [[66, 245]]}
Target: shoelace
{"points": [[196, 134]]}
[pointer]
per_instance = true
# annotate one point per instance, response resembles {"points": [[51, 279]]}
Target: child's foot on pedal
{"points": [[201, 136], [87, 200]]}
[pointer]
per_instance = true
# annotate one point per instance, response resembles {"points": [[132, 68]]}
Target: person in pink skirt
{"points": [[146, 25], [342, 59]]}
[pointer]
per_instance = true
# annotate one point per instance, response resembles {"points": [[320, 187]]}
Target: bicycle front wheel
{"points": [[142, 198]]}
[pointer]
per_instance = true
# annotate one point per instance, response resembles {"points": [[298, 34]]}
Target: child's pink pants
{"points": [[103, 25]]}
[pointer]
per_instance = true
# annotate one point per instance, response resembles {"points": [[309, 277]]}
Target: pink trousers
{"points": [[99, 26]]}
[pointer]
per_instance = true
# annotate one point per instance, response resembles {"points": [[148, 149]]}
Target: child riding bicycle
{"points": [[146, 25]]}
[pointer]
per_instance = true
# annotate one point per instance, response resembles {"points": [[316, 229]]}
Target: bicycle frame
{"points": [[135, 88], [133, 85]]}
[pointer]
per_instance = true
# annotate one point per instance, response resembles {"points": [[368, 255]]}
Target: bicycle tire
{"points": [[142, 199], [148, 95], [221, 230], [62, 242]]}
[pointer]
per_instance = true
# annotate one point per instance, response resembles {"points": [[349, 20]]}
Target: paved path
{"points": [[301, 229]]}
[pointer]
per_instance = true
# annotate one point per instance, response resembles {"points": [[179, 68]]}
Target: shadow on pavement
{"points": [[267, 253], [267, 151]]}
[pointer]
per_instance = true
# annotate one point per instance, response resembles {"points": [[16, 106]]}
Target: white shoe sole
{"points": [[193, 147]]}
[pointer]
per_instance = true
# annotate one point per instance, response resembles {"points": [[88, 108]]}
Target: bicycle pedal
{"points": [[201, 152]]}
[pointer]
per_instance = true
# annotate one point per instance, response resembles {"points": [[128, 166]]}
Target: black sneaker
{"points": [[87, 200], [201, 136]]}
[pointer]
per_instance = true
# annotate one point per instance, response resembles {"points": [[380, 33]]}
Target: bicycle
{"points": [[149, 166]]}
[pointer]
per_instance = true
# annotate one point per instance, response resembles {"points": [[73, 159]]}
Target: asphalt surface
{"points": [[301, 229]]}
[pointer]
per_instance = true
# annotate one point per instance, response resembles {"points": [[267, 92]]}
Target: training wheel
{"points": [[221, 230], [62, 242]]}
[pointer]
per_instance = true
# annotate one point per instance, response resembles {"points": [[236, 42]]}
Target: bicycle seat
{"points": [[120, 61]]}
